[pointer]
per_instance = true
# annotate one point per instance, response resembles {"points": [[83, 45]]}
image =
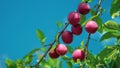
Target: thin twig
{"points": [[89, 35], [37, 64], [86, 45]]}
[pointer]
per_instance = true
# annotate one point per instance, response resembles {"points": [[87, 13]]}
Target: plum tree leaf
{"points": [[28, 59], [10, 63], [115, 7], [59, 24], [107, 53], [91, 18], [31, 52], [40, 35], [108, 35], [83, 18], [70, 49], [82, 44], [60, 64], [112, 25], [20, 63], [116, 14], [87, 1], [69, 64], [53, 62], [45, 64], [65, 57], [97, 19], [114, 63], [91, 59]]}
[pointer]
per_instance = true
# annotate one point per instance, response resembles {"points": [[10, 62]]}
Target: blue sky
{"points": [[19, 20]]}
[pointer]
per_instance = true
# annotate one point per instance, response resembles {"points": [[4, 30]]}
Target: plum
{"points": [[91, 27], [53, 54], [76, 29], [83, 8], [78, 54], [74, 18], [61, 49], [67, 37]]}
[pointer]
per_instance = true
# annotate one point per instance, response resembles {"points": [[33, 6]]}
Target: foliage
{"points": [[115, 8], [41, 36], [109, 57]]}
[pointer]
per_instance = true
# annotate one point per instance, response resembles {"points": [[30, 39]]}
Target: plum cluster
{"points": [[60, 50], [76, 29]]}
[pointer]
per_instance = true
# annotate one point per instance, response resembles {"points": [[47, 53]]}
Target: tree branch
{"points": [[86, 45], [37, 64]]}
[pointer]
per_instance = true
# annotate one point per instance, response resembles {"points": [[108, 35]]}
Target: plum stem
{"points": [[55, 40], [88, 39], [86, 45]]}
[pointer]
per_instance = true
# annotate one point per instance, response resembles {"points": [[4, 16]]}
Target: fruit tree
{"points": [[60, 50]]}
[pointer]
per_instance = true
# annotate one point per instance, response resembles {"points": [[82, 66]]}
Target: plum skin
{"points": [[67, 37], [91, 27], [53, 54], [61, 49], [83, 8], [78, 54], [76, 29], [74, 18]]}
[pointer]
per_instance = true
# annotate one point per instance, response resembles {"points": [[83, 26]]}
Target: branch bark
{"points": [[37, 64], [89, 35]]}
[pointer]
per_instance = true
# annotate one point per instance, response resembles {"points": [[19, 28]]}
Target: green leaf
{"points": [[31, 52], [60, 64], [112, 25], [59, 24], [45, 64], [40, 35], [29, 59], [56, 38], [82, 44], [115, 7], [10, 63], [108, 35], [53, 62], [83, 18], [118, 40], [91, 18], [70, 49], [20, 63], [107, 53], [43, 49], [116, 14], [87, 1], [99, 22], [69, 64], [117, 62], [100, 29], [65, 57], [94, 17], [91, 60], [97, 19]]}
